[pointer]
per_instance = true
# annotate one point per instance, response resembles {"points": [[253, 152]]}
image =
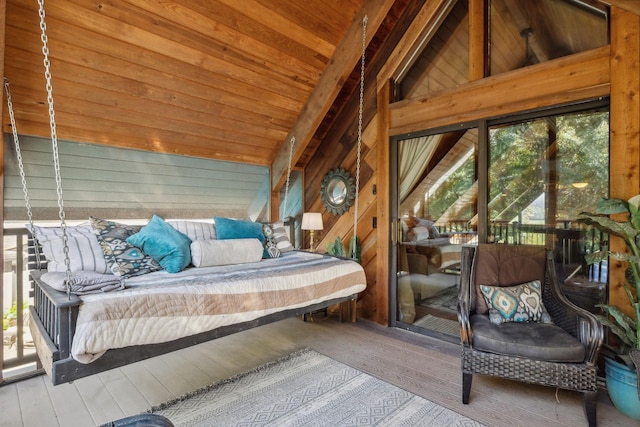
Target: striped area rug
{"points": [[307, 389]]}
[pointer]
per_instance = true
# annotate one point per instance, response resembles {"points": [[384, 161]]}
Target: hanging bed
{"points": [[122, 320]]}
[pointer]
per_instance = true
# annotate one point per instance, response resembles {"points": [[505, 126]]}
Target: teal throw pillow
{"points": [[228, 228], [169, 247]]}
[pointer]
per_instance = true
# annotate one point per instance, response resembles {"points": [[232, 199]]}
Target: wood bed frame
{"points": [[53, 317]]}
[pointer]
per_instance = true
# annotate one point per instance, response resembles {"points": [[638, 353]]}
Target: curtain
{"points": [[413, 157]]}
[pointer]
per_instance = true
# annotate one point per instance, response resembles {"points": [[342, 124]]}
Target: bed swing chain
{"points": [[354, 246], [54, 142], [23, 178]]}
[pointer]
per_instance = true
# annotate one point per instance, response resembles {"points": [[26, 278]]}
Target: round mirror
{"points": [[338, 191]]}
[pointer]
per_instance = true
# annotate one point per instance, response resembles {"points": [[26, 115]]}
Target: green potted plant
{"points": [[623, 326]]}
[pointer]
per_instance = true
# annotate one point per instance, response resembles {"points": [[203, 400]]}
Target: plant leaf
{"points": [[612, 206], [634, 211], [606, 224], [624, 323], [616, 330], [596, 257]]}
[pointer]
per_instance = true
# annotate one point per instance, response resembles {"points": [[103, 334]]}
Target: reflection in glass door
{"points": [[437, 193], [542, 173]]}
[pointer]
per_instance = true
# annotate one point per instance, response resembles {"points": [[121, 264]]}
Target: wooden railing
{"points": [[572, 241]]}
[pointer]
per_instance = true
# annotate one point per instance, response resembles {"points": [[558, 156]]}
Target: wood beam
{"points": [[383, 179], [632, 6], [625, 130], [333, 78], [572, 78], [417, 35], [478, 45]]}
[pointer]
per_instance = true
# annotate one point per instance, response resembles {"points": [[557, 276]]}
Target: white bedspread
{"points": [[161, 307]]}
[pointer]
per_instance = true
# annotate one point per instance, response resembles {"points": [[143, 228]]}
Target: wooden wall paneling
{"points": [[98, 52], [571, 78], [198, 71], [625, 129], [185, 32], [323, 95], [338, 148], [180, 112], [417, 34]]}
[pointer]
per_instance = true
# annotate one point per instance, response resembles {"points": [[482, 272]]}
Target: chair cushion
{"points": [[539, 341], [505, 265]]}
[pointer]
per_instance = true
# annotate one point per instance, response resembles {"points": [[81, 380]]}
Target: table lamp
{"points": [[312, 221]]}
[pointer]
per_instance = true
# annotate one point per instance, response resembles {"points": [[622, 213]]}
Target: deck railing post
{"points": [[16, 354]]}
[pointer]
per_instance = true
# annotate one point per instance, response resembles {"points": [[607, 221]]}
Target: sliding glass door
{"points": [[522, 179], [543, 172], [437, 202]]}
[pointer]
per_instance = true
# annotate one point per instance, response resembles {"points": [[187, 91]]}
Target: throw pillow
{"points": [[166, 245], [227, 228], [281, 237], [123, 259], [271, 250], [433, 231], [85, 252], [418, 233], [519, 303], [194, 230], [210, 253]]}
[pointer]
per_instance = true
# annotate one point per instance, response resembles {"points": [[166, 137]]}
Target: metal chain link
{"points": [[25, 188], [362, 62], [54, 141], [286, 188]]}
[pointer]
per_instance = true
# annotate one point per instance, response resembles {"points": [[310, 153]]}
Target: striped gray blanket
{"points": [[161, 307]]}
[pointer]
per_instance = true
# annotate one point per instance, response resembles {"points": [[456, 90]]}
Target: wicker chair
{"points": [[562, 354]]}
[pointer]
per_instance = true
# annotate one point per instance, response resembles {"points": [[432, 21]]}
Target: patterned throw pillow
{"points": [[85, 252], [269, 242], [123, 259], [519, 303], [281, 237]]}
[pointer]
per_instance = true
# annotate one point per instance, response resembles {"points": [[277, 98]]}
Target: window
{"points": [[527, 32], [542, 173], [444, 62]]}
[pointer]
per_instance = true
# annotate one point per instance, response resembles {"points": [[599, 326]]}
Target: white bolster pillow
{"points": [[209, 253]]}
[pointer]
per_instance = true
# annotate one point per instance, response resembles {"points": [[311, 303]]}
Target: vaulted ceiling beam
{"points": [[628, 5], [333, 78]]}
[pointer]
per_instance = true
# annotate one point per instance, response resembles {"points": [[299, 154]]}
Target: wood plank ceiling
{"points": [[221, 79]]}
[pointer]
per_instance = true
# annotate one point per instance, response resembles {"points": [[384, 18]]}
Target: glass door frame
{"points": [[483, 182], [396, 228]]}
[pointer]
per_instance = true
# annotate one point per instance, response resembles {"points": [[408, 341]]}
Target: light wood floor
{"points": [[424, 366]]}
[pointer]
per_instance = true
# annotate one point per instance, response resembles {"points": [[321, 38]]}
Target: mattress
{"points": [[161, 307]]}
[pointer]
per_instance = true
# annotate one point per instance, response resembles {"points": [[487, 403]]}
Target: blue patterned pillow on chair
{"points": [[519, 303]]}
